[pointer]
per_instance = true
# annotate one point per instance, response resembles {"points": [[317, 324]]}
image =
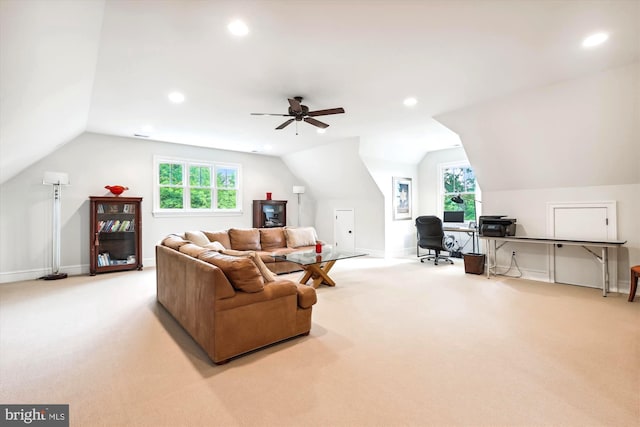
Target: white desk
{"points": [[604, 245]]}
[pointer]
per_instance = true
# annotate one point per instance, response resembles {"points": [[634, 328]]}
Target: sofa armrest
{"points": [[306, 295]]}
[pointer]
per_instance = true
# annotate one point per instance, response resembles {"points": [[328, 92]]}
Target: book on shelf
{"points": [[104, 259]]}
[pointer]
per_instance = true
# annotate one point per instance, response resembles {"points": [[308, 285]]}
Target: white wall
{"points": [[577, 140], [93, 161], [529, 207], [399, 235], [337, 178], [582, 132]]}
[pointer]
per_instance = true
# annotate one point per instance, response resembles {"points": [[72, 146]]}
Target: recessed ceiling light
{"points": [[176, 97], [147, 128], [238, 28], [322, 130], [268, 147], [410, 102], [595, 39]]}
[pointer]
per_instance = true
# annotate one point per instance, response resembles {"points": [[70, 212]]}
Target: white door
{"points": [[573, 264], [343, 230]]}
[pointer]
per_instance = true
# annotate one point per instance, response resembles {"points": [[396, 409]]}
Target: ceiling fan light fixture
{"points": [[238, 28], [410, 102], [321, 130]]}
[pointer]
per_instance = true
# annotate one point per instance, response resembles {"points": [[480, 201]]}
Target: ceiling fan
{"points": [[301, 112]]}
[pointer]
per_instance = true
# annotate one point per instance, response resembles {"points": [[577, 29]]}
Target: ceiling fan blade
{"points": [[325, 112], [316, 123], [270, 114], [285, 124], [295, 105]]}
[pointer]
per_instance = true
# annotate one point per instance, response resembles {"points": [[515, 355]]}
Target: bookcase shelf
{"points": [[115, 234]]}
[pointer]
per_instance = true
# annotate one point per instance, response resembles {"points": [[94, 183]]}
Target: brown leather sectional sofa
{"points": [[266, 242], [226, 303]]}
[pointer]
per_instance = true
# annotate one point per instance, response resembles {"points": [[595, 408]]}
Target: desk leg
{"points": [[605, 271], [488, 258]]}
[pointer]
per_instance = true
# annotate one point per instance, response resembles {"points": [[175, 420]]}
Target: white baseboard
{"points": [[71, 270]]}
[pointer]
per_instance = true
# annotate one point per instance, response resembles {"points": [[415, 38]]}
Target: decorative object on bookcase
{"points": [[116, 189], [57, 179], [115, 234]]}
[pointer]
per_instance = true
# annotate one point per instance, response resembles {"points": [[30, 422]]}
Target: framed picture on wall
{"points": [[401, 198]]}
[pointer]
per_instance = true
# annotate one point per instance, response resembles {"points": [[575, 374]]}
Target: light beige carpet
{"points": [[395, 343]]}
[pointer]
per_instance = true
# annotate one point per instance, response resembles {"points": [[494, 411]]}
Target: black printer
{"points": [[496, 226]]}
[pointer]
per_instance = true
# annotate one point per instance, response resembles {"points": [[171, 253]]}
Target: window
{"points": [[458, 180], [190, 187]]}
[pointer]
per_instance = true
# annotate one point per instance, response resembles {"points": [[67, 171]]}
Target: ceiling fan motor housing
{"points": [[299, 114]]}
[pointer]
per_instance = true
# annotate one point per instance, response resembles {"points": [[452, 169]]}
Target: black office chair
{"points": [[431, 236]]}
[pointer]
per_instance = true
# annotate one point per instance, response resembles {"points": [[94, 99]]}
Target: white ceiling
{"points": [[365, 56]]}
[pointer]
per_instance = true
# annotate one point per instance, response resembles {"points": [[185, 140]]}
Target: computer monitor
{"points": [[453, 216]]}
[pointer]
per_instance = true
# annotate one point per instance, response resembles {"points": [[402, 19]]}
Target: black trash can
{"points": [[473, 263]]}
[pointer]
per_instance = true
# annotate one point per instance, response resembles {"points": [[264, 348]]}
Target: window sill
{"points": [[177, 214]]}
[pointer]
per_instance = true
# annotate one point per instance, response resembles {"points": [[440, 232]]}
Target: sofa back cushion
{"points": [[303, 236], [241, 271], [272, 238], [244, 239], [219, 236]]}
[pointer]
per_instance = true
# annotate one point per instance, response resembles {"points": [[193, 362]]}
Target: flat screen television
{"points": [[453, 216]]}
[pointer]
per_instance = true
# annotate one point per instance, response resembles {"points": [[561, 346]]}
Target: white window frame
{"points": [[441, 192], [187, 210]]}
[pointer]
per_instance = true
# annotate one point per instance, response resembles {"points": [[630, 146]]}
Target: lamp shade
{"points": [[457, 199], [298, 189]]}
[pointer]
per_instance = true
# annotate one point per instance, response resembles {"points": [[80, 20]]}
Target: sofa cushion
{"points": [[174, 241], [267, 275], [244, 239], [306, 296], [272, 238], [197, 237], [219, 236], [242, 272], [303, 236], [192, 249]]}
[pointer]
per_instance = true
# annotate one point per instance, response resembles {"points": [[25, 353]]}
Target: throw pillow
{"points": [[197, 237], [215, 246], [247, 239], [267, 274], [241, 271], [303, 236], [174, 241]]}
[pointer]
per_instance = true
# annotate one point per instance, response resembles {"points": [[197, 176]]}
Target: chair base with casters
{"points": [[433, 257], [635, 273]]}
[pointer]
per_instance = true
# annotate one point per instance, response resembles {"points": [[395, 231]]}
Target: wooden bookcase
{"points": [[115, 234], [269, 213]]}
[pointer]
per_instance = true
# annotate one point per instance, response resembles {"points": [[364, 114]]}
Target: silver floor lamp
{"points": [[298, 189], [57, 180]]}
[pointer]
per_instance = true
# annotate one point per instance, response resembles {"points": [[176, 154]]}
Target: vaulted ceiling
{"points": [[68, 66]]}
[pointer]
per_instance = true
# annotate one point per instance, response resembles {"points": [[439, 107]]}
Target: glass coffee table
{"points": [[318, 265]]}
